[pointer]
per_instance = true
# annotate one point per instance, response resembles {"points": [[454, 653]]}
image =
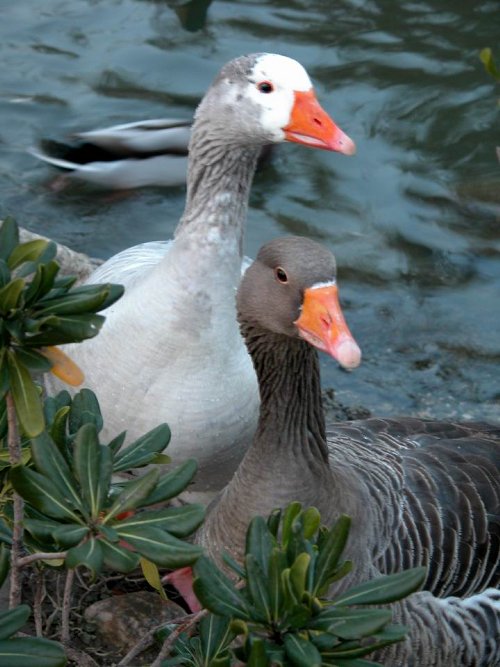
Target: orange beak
{"points": [[311, 125], [322, 324]]}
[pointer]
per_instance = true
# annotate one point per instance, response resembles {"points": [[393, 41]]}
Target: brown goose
{"points": [[170, 348], [419, 492]]}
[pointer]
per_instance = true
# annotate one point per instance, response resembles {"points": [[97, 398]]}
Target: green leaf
{"points": [[160, 547], [180, 521], [88, 554], [289, 515], [13, 620], [301, 652], [51, 463], [74, 302], [355, 662], [9, 237], [330, 552], [42, 282], [486, 57], [152, 576], [133, 493], [41, 493], [390, 635], [58, 426], [4, 563], [31, 266], [351, 623], [384, 589], [311, 520], [68, 535], [69, 329], [259, 542], [217, 592], [115, 444], [85, 410], [273, 522], [10, 295], [215, 637], [92, 466], [143, 450], [33, 360], [298, 574], [118, 558], [172, 483], [26, 397], [24, 651], [258, 588], [26, 252], [277, 563], [257, 656], [41, 529]]}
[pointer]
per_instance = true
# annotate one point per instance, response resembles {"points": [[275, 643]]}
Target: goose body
{"points": [[170, 349], [131, 155], [420, 492]]}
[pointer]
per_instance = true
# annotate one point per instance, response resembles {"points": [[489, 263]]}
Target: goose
{"points": [[130, 155], [420, 492], [170, 349]]}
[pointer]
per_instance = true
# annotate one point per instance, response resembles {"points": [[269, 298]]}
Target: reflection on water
{"points": [[414, 218]]}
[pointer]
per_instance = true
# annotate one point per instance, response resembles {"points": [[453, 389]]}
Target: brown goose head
{"points": [[291, 290]]}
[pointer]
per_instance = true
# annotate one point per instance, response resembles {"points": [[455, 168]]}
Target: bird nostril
{"points": [[318, 121]]}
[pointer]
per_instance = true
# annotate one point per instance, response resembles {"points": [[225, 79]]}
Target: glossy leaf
{"points": [[387, 588], [160, 547], [13, 620], [172, 483], [257, 656], [258, 588], [23, 651], [26, 397], [9, 237], [152, 576], [92, 466], [331, 550], [311, 520], [180, 521], [41, 529], [68, 535], [217, 592], [143, 450], [42, 281], [85, 410], [4, 564], [289, 515], [88, 554], [75, 302], [69, 329], [51, 463], [298, 574], [118, 558], [259, 542], [10, 295], [133, 493], [215, 637], [115, 444], [26, 252], [390, 635], [41, 493], [33, 360], [351, 623], [301, 652]]}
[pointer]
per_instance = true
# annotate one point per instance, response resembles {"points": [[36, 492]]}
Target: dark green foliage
{"points": [[281, 613], [23, 651], [72, 503], [38, 309]]}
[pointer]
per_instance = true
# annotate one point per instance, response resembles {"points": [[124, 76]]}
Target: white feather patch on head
{"points": [[328, 283], [286, 76]]}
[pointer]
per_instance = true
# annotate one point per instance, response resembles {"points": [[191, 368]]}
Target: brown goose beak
{"points": [[322, 324], [311, 125]]}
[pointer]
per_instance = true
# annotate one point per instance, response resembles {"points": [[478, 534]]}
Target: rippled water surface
{"points": [[414, 217]]}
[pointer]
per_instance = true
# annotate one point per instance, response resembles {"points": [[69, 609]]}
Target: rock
{"points": [[123, 620]]}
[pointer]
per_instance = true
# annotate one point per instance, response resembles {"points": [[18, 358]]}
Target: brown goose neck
{"points": [[291, 413]]}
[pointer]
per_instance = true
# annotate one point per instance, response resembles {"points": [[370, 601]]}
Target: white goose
{"points": [[170, 349]]}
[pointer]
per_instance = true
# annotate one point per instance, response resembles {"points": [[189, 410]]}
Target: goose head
{"points": [[267, 98], [291, 289]]}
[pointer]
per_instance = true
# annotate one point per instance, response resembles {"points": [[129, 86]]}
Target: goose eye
{"points": [[265, 87], [281, 275]]}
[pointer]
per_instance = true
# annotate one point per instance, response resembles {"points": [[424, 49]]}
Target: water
{"points": [[414, 218]]}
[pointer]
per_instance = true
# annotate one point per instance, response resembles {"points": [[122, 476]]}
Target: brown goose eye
{"points": [[281, 275], [265, 87]]}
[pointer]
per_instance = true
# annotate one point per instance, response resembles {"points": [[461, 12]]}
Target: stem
{"points": [[169, 642], [66, 606], [41, 555], [37, 602], [14, 444]]}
